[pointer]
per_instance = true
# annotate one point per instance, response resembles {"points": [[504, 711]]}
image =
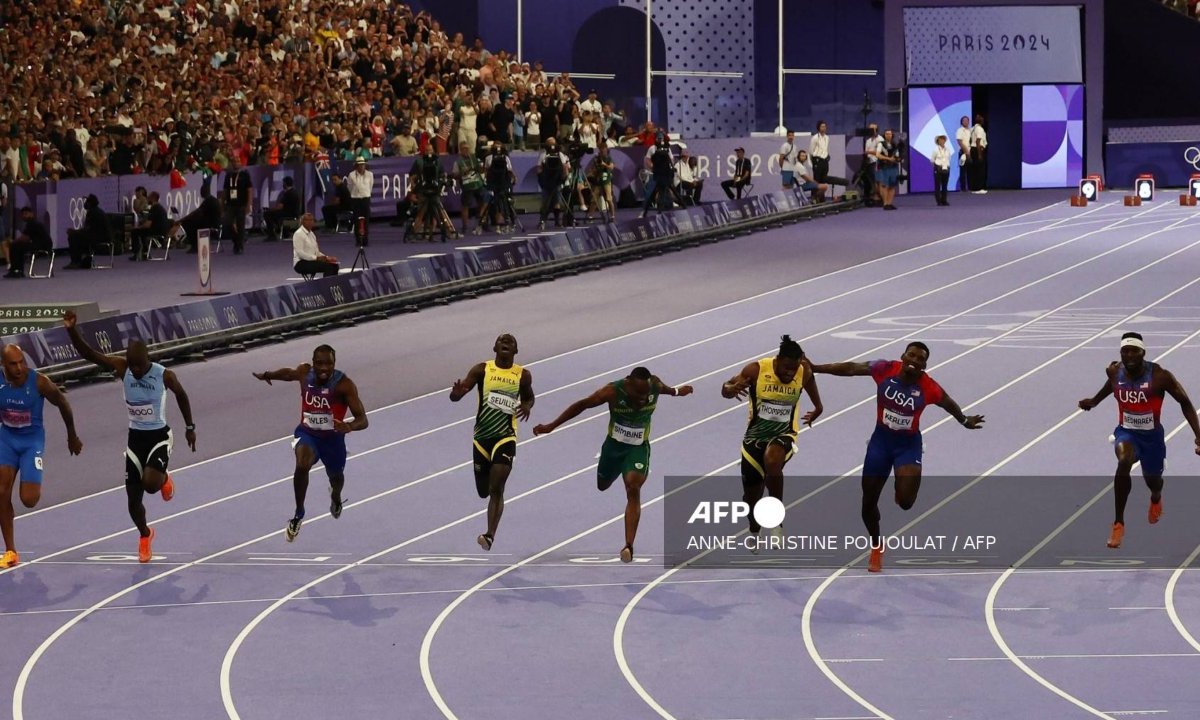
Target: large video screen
{"points": [[932, 112], [993, 45], [1051, 135]]}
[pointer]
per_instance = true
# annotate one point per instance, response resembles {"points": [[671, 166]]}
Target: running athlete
{"points": [[148, 450], [773, 385], [904, 390], [1139, 387], [626, 450], [505, 392], [325, 395], [23, 438]]}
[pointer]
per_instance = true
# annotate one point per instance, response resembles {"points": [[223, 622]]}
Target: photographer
{"points": [[887, 173], [662, 168], [467, 171], [577, 150], [500, 180], [428, 179], [552, 171], [600, 175]]}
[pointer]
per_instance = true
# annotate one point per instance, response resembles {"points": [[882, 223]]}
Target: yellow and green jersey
{"points": [[774, 404], [499, 398]]}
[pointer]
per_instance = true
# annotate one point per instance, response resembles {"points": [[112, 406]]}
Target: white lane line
{"points": [[574, 351], [806, 618], [643, 361], [32, 661], [618, 633], [990, 603]]}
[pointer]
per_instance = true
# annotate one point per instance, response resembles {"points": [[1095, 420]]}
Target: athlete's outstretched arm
{"points": [[462, 387], [970, 422], [526, 393], [350, 391], [115, 363], [55, 397], [602, 396], [295, 374], [665, 389], [1093, 401], [738, 385], [185, 406], [810, 387], [843, 369], [1172, 386]]}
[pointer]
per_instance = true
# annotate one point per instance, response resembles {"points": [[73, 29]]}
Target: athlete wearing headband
{"points": [[1140, 387]]}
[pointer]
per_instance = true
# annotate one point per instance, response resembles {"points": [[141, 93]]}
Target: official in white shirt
{"points": [[979, 157], [870, 164], [962, 137], [818, 152], [361, 183], [941, 170], [787, 160], [306, 256]]}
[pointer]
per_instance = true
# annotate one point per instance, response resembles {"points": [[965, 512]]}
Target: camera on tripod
{"points": [[577, 150], [431, 180]]}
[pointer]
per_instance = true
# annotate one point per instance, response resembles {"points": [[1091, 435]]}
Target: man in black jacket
{"points": [[33, 238], [82, 242], [741, 175]]}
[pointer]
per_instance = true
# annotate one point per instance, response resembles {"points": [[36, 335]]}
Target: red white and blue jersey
{"points": [[320, 405], [1138, 407], [898, 404]]}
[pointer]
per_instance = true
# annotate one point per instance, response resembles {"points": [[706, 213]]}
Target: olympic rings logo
{"points": [[1191, 156], [77, 212], [104, 341]]}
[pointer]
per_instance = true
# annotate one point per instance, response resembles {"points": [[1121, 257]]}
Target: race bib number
{"points": [[139, 413], [1137, 421], [897, 421], [628, 435], [775, 411], [17, 418], [506, 404], [318, 421]]}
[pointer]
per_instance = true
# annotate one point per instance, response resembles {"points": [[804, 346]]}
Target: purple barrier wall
{"points": [[52, 346]]}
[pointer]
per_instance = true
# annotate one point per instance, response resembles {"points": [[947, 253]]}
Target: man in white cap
{"points": [[1139, 388], [361, 182]]}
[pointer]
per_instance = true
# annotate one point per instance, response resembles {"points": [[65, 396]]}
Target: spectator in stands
{"points": [[404, 144], [307, 258], [533, 126], [238, 200], [742, 174], [82, 242], [362, 183], [287, 206], [33, 238], [591, 105], [154, 223]]}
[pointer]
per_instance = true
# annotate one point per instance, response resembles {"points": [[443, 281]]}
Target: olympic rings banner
{"points": [[1171, 163]]}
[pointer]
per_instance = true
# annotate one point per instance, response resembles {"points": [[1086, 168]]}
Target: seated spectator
{"points": [[742, 174], [82, 242], [307, 258], [339, 202], [286, 207], [689, 178], [34, 237], [154, 223], [204, 217], [806, 179]]}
